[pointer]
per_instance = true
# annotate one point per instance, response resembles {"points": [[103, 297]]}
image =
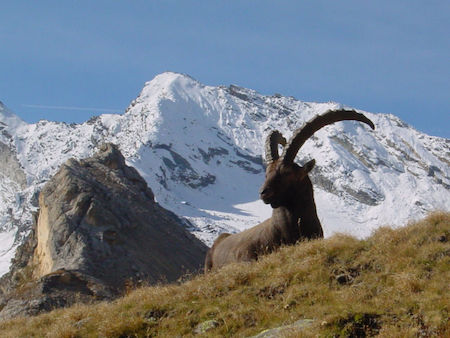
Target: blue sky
{"points": [[380, 56]]}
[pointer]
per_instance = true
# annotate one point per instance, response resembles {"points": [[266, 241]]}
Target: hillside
{"points": [[394, 283], [200, 148]]}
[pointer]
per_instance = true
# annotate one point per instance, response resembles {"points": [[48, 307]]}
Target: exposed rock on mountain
{"points": [[98, 230], [10, 167], [200, 149]]}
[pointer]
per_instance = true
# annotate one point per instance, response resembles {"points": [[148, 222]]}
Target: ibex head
{"points": [[287, 181]]}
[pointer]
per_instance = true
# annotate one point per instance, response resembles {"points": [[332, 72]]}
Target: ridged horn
{"points": [[305, 132], [272, 141]]}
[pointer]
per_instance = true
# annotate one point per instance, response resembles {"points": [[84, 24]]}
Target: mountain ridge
{"points": [[200, 150]]}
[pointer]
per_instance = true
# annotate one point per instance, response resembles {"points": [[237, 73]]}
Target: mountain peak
{"points": [[10, 119], [200, 149], [170, 82], [171, 76]]}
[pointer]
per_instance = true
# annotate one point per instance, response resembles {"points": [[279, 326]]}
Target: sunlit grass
{"points": [[394, 283]]}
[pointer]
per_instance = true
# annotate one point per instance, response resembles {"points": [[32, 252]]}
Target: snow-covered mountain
{"points": [[200, 149]]}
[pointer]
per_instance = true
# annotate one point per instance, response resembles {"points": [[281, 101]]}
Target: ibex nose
{"points": [[265, 194]]}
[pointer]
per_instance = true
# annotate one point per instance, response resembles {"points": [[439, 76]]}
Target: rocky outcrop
{"points": [[97, 232], [10, 166]]}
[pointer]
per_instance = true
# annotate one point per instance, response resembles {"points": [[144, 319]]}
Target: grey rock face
{"points": [[287, 330], [57, 289], [181, 170], [10, 167], [98, 231]]}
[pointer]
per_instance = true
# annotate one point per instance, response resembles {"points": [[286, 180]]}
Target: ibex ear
{"points": [[309, 165]]}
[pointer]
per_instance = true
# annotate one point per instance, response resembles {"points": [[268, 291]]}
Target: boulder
{"points": [[291, 330], [98, 232]]}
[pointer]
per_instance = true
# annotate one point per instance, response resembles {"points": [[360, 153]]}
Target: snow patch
{"points": [[200, 149]]}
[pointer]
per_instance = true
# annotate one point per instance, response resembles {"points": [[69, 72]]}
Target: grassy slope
{"points": [[395, 283]]}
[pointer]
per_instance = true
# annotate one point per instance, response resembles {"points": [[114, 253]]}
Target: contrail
{"points": [[72, 108]]}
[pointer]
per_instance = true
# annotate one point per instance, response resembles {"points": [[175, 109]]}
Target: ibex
{"points": [[288, 189]]}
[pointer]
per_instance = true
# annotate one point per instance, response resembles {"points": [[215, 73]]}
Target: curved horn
{"points": [[272, 141], [302, 134]]}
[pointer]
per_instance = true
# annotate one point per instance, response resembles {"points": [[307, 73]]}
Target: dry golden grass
{"points": [[394, 284]]}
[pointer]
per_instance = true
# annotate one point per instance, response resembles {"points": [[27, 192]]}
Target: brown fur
{"points": [[289, 191], [293, 205]]}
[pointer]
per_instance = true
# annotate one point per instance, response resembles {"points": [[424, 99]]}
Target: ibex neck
{"points": [[302, 208], [286, 223]]}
